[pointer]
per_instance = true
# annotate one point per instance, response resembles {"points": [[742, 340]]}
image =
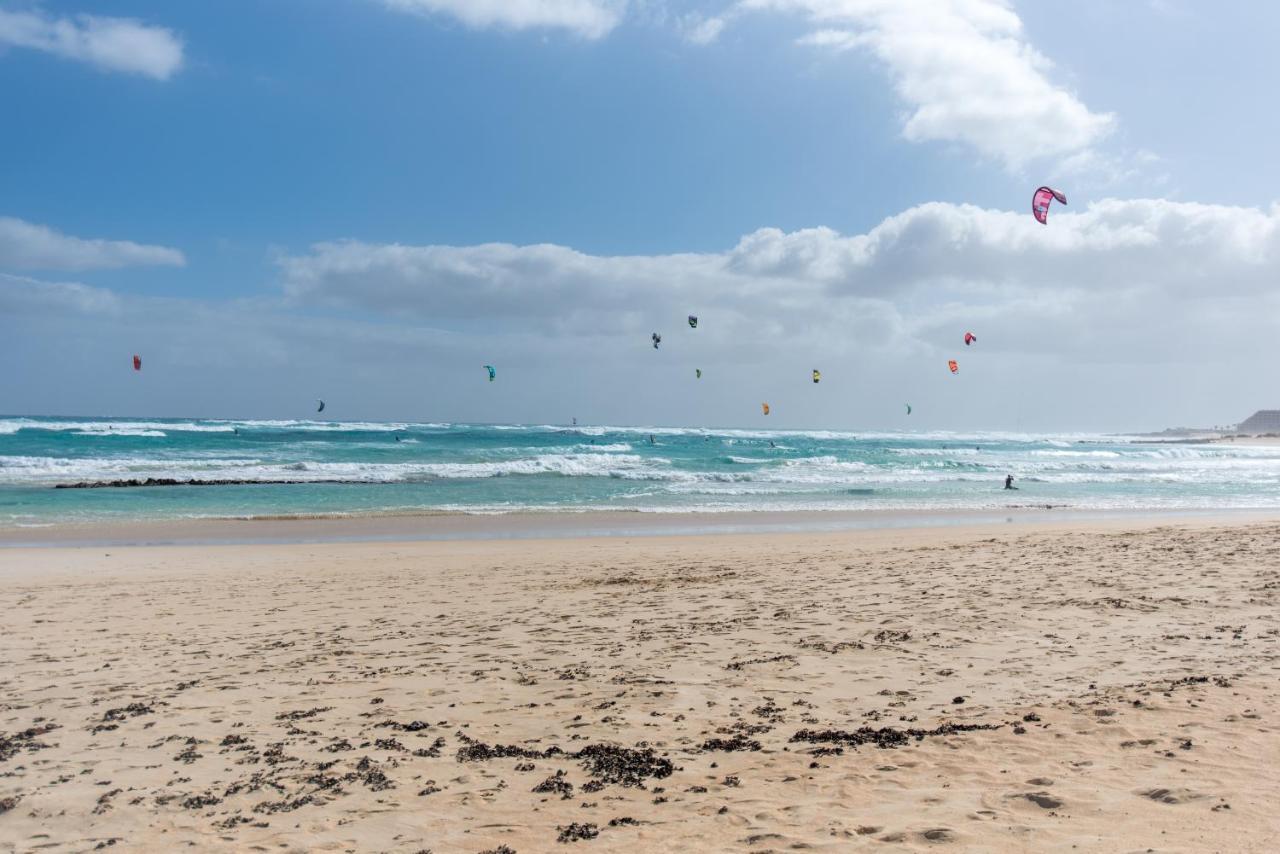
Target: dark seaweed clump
{"points": [[303, 714], [623, 765], [10, 745], [884, 737], [576, 831], [605, 763], [555, 784], [412, 726], [738, 742], [478, 751]]}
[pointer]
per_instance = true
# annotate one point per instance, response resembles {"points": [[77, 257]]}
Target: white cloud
{"points": [[964, 69], [26, 246], [546, 283], [701, 30], [20, 295], [112, 44], [590, 19], [1172, 248], [1112, 244]]}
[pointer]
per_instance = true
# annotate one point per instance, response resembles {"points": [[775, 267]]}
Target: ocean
{"points": [[388, 468]]}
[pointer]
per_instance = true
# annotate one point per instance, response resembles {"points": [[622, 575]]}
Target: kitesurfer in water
{"points": [[1008, 482]]}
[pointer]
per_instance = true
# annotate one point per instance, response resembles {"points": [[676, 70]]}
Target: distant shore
{"points": [[1247, 441], [1254, 441]]}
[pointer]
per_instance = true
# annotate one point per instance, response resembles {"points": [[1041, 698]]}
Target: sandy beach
{"points": [[1076, 687]]}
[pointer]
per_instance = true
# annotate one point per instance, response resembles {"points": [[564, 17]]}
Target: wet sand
{"points": [[418, 526], [1089, 687]]}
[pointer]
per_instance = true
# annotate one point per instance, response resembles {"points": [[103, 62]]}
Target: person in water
{"points": [[1008, 482]]}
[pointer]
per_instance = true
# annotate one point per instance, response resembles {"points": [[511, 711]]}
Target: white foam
{"points": [[150, 434], [109, 427]]}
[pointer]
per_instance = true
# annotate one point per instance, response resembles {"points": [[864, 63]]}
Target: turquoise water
{"points": [[510, 468]]}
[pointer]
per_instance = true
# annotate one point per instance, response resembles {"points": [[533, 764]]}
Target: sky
{"points": [[369, 200]]}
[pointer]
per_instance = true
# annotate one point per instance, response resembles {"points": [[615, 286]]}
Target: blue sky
{"points": [[303, 181]]}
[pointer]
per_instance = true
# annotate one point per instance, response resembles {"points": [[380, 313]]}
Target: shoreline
{"points": [[448, 526]]}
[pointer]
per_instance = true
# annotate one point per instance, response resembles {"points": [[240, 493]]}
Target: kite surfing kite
{"points": [[321, 409], [765, 407], [817, 375], [951, 363], [137, 363], [969, 338], [908, 409], [693, 321], [1040, 203], [657, 339], [698, 372], [492, 373]]}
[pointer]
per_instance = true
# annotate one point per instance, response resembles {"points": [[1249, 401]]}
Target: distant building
{"points": [[1262, 421]]}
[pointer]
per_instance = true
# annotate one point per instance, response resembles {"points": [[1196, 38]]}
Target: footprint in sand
{"points": [[1043, 800], [1171, 796]]}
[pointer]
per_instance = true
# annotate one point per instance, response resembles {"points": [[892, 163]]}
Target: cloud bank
{"points": [[1173, 249]]}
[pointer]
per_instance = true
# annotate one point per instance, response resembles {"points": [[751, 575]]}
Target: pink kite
{"points": [[1040, 203], [969, 338]]}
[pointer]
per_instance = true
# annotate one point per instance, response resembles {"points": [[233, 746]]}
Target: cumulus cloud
{"points": [[1171, 246], [965, 70], [26, 246], [111, 44], [590, 19]]}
